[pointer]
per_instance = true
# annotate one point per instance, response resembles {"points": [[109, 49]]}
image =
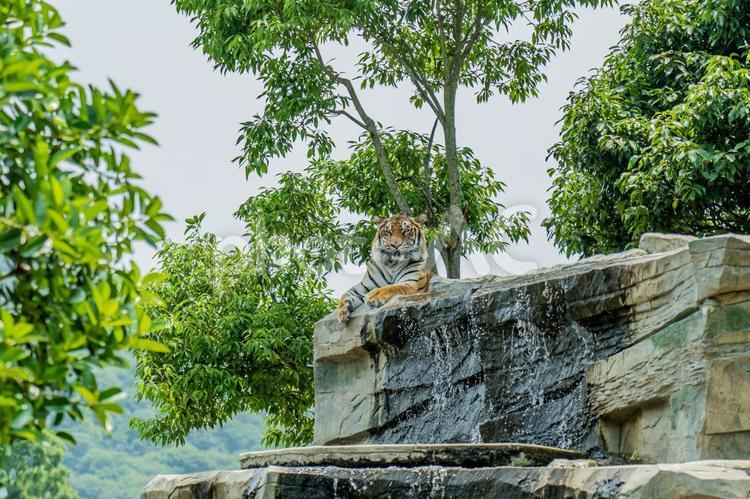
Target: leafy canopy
{"points": [[239, 327], [432, 44], [657, 139], [295, 228], [307, 209], [436, 46], [228, 309], [70, 213]]}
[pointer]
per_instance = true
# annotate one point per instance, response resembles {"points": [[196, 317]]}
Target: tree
{"points": [[34, 470], [239, 325], [438, 46], [657, 139], [70, 212]]}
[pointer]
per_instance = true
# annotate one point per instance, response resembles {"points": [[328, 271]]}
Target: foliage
{"points": [[306, 209], [70, 212], [120, 465], [657, 139], [33, 470], [280, 41], [257, 306], [436, 46], [239, 326]]}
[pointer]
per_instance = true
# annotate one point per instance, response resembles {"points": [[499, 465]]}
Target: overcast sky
{"points": [[145, 45]]}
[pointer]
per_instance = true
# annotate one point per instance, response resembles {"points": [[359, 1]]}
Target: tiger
{"points": [[397, 265]]}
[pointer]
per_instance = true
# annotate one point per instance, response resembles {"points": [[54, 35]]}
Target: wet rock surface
{"points": [[505, 359], [710, 479], [360, 456], [501, 362], [642, 355]]}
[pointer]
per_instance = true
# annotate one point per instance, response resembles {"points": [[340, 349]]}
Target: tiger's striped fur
{"points": [[397, 265]]}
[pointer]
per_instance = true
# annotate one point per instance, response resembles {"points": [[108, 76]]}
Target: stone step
{"points": [[409, 455], [724, 479]]}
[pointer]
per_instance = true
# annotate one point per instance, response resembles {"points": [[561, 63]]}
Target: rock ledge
{"points": [[366, 456], [703, 479]]}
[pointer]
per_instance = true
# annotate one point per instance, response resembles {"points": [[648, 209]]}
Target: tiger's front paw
{"points": [[378, 297], [344, 310]]}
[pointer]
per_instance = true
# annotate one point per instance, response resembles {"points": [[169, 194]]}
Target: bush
{"points": [[239, 327], [70, 213], [657, 139]]}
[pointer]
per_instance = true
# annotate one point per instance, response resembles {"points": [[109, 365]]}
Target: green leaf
{"points": [[41, 157], [90, 397], [58, 194], [10, 239], [153, 277], [13, 354], [16, 374], [113, 394], [147, 345], [33, 248], [62, 155], [24, 206], [64, 435], [17, 87]]}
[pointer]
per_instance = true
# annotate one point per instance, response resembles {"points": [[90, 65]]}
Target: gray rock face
{"points": [[500, 361], [710, 479], [644, 353], [506, 359], [367, 456]]}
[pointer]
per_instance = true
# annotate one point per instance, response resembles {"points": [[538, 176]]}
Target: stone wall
{"points": [[684, 392], [612, 354]]}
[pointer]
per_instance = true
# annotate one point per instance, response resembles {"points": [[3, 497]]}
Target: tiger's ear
{"points": [[378, 219], [422, 218]]}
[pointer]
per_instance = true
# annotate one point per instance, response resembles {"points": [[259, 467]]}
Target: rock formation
{"points": [[640, 355], [707, 479], [610, 354]]}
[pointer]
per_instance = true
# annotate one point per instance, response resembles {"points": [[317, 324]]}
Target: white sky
{"points": [[145, 45]]}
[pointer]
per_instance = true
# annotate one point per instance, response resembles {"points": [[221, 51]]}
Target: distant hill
{"points": [[118, 467]]}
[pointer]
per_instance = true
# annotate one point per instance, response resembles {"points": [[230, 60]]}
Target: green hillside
{"points": [[118, 467]]}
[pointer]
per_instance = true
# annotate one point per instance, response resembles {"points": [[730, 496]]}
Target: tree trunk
{"points": [[453, 263], [455, 208], [431, 263], [452, 259]]}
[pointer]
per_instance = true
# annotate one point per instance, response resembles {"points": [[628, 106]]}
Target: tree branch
{"points": [[471, 38], [386, 39], [352, 118], [422, 86], [372, 129], [13, 273], [441, 34], [427, 175]]}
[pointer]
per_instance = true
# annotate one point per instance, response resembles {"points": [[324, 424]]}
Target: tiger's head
{"points": [[399, 240]]}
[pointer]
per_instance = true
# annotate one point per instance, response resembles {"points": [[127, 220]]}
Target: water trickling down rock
{"points": [[506, 359]]}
